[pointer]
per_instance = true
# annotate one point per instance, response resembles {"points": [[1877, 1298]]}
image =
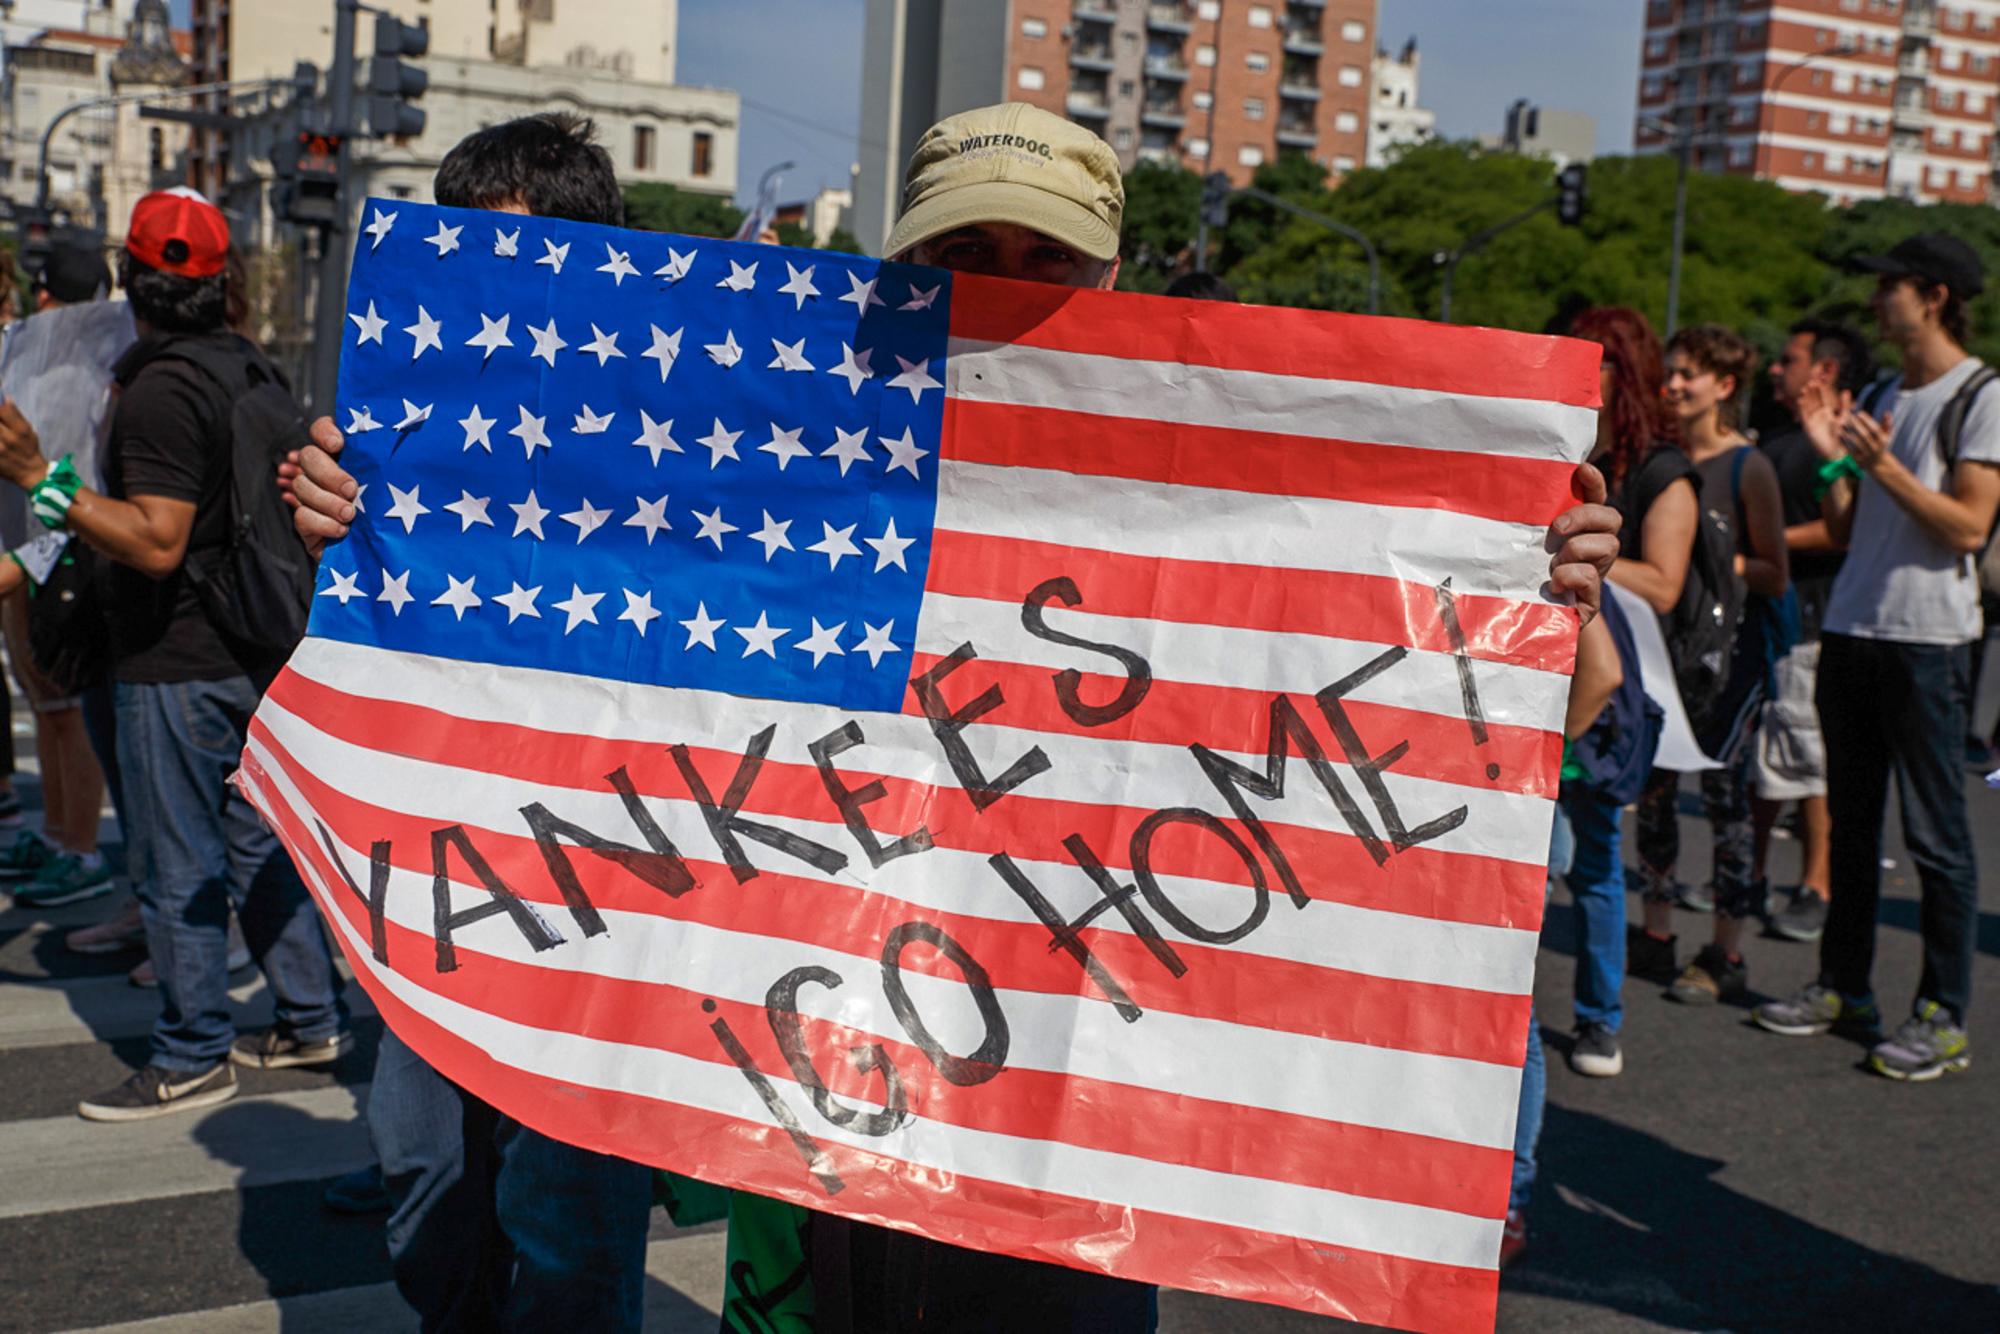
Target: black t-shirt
{"points": [[1798, 463], [1641, 486], [169, 438]]}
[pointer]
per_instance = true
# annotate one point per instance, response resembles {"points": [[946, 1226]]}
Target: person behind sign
{"points": [[1051, 219], [1913, 499]]}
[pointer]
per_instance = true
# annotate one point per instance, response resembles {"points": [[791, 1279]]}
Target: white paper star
{"points": [[506, 244], [920, 299], [785, 445], [492, 334], [528, 516], [823, 640], [656, 437], [395, 591], [478, 430], [408, 509], [876, 643], [652, 517], [850, 447], [589, 423], [725, 353], [360, 421], [379, 228], [425, 331], [470, 509], [800, 285], [903, 454], [370, 326], [701, 630], [789, 357], [520, 602], [445, 239], [359, 492], [837, 543], [587, 519], [862, 295], [889, 548], [666, 349], [459, 596], [602, 345], [741, 278], [547, 342], [619, 265], [772, 535], [579, 606], [553, 255], [414, 416], [713, 527], [346, 587], [532, 432], [761, 637], [721, 444], [916, 378], [854, 367], [676, 267], [638, 610]]}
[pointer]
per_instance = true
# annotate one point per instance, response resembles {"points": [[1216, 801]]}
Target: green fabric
{"points": [[769, 1289], [1570, 768], [1832, 471], [689, 1202]]}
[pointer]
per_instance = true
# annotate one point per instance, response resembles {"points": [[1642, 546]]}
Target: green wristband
{"points": [[1832, 471], [54, 494]]}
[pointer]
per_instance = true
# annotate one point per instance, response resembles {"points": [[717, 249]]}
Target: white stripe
{"points": [[932, 1147], [1298, 405], [1279, 532]]}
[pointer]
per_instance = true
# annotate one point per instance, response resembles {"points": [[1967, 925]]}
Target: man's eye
{"points": [[1053, 255]]}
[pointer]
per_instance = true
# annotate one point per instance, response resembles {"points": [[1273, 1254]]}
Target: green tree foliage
{"points": [[655, 206], [1162, 205]]}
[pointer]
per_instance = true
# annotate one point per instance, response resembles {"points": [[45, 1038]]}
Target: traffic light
{"points": [[393, 85], [1215, 199], [308, 166], [1569, 194]]}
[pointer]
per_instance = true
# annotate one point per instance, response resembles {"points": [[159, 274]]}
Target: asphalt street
{"points": [[1729, 1180]]}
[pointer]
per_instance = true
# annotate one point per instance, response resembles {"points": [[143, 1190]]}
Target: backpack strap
{"points": [[1951, 419], [1736, 463]]}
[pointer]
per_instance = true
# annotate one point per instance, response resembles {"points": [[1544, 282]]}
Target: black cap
{"points": [[74, 273], [1933, 257]]}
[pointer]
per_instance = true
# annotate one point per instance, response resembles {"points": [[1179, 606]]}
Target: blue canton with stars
{"points": [[660, 459]]}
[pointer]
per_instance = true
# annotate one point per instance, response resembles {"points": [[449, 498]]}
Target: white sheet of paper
{"points": [[1679, 750], [38, 555]]}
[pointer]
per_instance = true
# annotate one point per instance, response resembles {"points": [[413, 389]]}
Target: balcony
{"points": [[1308, 4], [1096, 11], [1087, 106], [1298, 86], [1174, 18], [1093, 56], [1912, 112], [1912, 65], [1163, 115], [1919, 18], [1303, 39], [1166, 67], [1297, 134]]}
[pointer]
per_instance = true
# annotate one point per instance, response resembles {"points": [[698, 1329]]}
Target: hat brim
{"points": [[1879, 264], [1004, 201]]}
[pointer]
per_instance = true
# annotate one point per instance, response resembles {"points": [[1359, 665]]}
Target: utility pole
{"points": [[330, 298]]}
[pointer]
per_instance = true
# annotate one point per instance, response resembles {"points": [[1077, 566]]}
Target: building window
{"points": [[1343, 163], [642, 148], [1127, 88], [1350, 76], [1122, 138], [1030, 78], [1203, 99], [1250, 155], [1253, 108], [1739, 155], [702, 162], [1257, 61], [1346, 122], [1198, 148], [1947, 99], [1260, 16], [1036, 28], [1656, 47], [1811, 161], [1354, 30], [156, 147], [1204, 54], [1208, 11], [401, 192]]}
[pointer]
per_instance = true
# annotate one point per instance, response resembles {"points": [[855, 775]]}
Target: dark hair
{"points": [[1201, 287], [1639, 416], [1842, 343], [1952, 317], [550, 163], [171, 303], [1720, 351]]}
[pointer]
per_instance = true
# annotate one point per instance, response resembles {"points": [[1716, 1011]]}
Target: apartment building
{"points": [[1857, 99], [1213, 85]]}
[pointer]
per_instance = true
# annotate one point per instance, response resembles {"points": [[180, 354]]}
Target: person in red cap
{"points": [[184, 690]]}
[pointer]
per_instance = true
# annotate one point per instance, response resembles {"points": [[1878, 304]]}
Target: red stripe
{"points": [[1415, 354], [1278, 994], [1487, 486], [967, 1211], [1334, 867], [1364, 608]]}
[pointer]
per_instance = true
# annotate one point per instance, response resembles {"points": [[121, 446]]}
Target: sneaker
{"points": [[1709, 977], [359, 1192], [122, 933], [1649, 957], [156, 1092], [1695, 899], [1816, 1009], [65, 878], [1596, 1052], [1926, 1046], [27, 854], [1513, 1238], [1804, 921], [10, 809], [274, 1049]]}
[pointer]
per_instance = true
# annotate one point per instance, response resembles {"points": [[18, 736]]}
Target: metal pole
{"points": [[1207, 157], [126, 99], [1367, 246], [1472, 244], [1680, 235], [330, 296]]}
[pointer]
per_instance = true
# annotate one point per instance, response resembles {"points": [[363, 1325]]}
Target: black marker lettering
{"points": [[808, 1147], [1370, 768], [1068, 935], [991, 1055], [1468, 688], [1142, 871], [378, 889], [661, 866], [726, 824], [526, 920], [781, 1008], [1138, 672], [946, 725], [850, 800]]}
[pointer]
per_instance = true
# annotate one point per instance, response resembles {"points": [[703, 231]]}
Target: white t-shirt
{"points": [[1899, 582]]}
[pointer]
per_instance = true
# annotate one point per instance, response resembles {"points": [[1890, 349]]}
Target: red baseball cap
{"points": [[179, 231]]}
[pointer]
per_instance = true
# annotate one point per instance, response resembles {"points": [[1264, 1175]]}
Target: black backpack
{"points": [[1615, 756], [1701, 629], [257, 587]]}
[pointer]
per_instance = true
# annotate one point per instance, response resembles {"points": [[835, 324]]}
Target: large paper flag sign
{"points": [[1067, 773]]}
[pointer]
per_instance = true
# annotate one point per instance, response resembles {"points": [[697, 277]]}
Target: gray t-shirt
{"points": [[1899, 582]]}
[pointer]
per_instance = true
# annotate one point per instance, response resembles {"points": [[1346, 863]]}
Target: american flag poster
{"points": [[1064, 772]]}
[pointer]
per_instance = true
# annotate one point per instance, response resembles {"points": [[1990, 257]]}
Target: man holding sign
{"points": [[1123, 558]]}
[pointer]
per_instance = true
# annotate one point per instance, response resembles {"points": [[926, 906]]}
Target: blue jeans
{"points": [[1534, 1070], [495, 1226], [195, 847], [1597, 883], [1893, 708]]}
